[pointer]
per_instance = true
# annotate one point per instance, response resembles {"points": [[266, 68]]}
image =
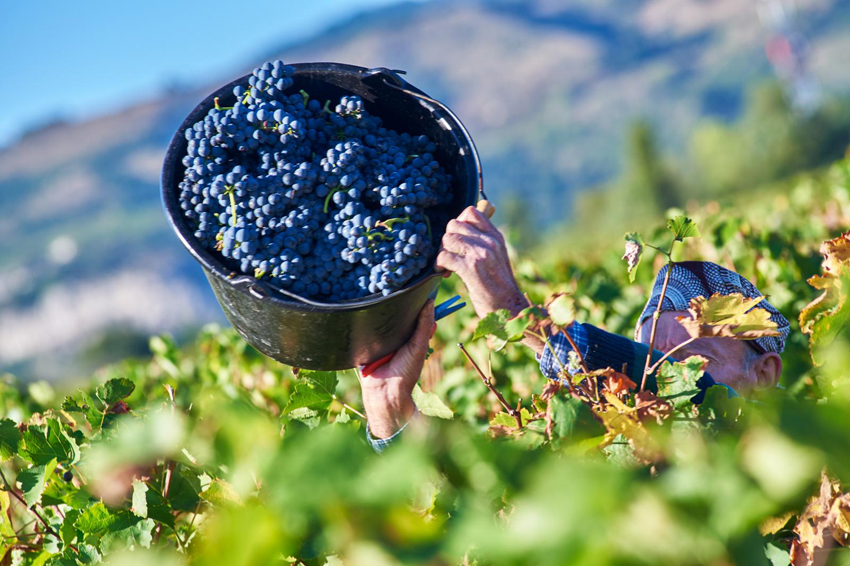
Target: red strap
{"points": [[369, 369]]}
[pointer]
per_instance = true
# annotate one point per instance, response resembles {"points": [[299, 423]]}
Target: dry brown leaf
{"points": [[836, 253], [649, 406], [613, 381]]}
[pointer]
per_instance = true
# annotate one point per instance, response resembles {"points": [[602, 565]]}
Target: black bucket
{"points": [[325, 336]]}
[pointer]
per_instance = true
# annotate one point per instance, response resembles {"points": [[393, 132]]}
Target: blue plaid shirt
{"points": [[600, 349], [548, 365]]}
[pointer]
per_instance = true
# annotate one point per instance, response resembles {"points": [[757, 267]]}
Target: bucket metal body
{"points": [[333, 336]]}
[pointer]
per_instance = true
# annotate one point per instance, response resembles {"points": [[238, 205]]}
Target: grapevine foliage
{"points": [[212, 454]]}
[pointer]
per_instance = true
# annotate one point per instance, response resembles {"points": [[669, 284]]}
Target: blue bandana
{"points": [[691, 279]]}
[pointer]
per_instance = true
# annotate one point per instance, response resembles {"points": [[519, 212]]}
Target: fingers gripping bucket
{"points": [[325, 336]]}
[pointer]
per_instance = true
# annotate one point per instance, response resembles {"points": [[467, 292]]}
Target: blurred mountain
{"points": [[546, 88]]}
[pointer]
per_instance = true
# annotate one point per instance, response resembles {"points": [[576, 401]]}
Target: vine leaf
{"points": [[221, 493], [493, 324], [312, 396], [7, 532], [502, 327], [33, 480], [836, 254], [115, 390], [43, 443], [140, 501], [677, 382], [828, 512], [634, 253], [573, 420], [67, 530], [731, 316], [683, 227], [99, 518], [10, 439], [614, 381], [430, 404], [505, 420], [562, 309], [825, 317]]}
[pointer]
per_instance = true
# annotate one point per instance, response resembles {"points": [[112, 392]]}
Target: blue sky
{"points": [[78, 59]]}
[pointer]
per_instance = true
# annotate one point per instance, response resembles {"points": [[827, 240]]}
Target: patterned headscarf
{"points": [[691, 279]]}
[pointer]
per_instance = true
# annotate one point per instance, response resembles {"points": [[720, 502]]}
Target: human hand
{"points": [[387, 392], [475, 249]]}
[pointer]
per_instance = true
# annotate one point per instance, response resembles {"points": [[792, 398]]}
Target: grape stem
{"points": [[389, 222], [232, 204], [328, 198], [217, 107]]}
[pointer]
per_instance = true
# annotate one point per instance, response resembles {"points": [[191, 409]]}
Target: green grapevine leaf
{"points": [[185, 491], [99, 518], [33, 480], [505, 420], [114, 390], [493, 324], [777, 555], [88, 554], [430, 404], [308, 396], [119, 527], [10, 439], [677, 382], [562, 310], [574, 420], [137, 534], [7, 532], [43, 443], [683, 227], [140, 501], [221, 493], [68, 531], [65, 559], [323, 381], [634, 253]]}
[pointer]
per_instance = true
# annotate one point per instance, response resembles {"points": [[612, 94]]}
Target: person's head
{"points": [[737, 363], [744, 365]]}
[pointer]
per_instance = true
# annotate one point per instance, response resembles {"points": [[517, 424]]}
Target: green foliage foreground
{"points": [[212, 454]]}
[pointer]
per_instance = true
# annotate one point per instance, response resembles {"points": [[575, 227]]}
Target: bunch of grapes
{"points": [[326, 203]]}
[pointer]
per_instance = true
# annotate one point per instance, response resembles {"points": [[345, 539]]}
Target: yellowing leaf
{"points": [[826, 316], [836, 254], [731, 316]]}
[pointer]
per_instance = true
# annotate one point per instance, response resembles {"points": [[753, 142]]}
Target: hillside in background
{"points": [[546, 91]]}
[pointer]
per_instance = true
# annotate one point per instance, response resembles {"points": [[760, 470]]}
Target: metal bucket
{"points": [[326, 336]]}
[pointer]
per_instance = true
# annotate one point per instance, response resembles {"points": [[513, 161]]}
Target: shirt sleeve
{"points": [[556, 353], [381, 444]]}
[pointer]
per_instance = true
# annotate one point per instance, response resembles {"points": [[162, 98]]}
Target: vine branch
{"points": [[35, 512], [655, 316], [515, 413]]}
